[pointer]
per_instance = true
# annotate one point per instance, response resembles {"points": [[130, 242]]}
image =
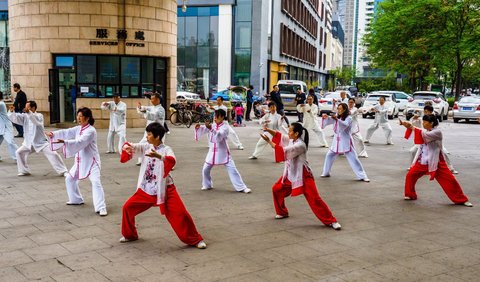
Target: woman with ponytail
{"points": [[342, 143], [297, 178]]}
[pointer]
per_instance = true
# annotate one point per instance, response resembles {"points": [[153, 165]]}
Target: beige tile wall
{"points": [[41, 28]]}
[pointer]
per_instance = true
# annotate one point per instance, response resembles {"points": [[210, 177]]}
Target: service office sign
{"points": [[122, 35]]}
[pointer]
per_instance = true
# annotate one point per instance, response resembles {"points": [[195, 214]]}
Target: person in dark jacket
{"points": [[249, 102], [311, 92], [275, 97], [19, 104], [300, 98]]}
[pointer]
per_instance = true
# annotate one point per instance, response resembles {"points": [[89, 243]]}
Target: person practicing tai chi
{"points": [[310, 112], [342, 143], [336, 102], [356, 135], [273, 121], [6, 130], [80, 142], [218, 152], [155, 113], [34, 140], [297, 178], [118, 121], [417, 122], [231, 132], [381, 119], [155, 187], [430, 161]]}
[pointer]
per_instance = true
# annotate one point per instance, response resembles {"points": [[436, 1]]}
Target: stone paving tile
{"points": [[282, 273], [361, 275], [41, 269], [12, 244], [122, 271], [13, 258], [46, 238], [84, 245], [314, 267], [424, 266], [10, 274], [88, 274], [87, 231], [395, 272], [19, 231], [458, 257], [167, 275], [83, 260], [46, 252]]}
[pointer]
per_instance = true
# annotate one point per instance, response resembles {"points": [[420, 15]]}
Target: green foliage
{"points": [[343, 76]]}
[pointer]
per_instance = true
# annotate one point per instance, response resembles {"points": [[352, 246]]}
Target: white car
{"points": [[467, 108], [418, 100], [183, 96], [325, 104], [372, 100]]}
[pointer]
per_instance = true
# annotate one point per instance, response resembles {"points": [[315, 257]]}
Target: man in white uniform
{"points": [[381, 119], [155, 113], [118, 121], [6, 130], [310, 112], [231, 132], [343, 99], [34, 139]]}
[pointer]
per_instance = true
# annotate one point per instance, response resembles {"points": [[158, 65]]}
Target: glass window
{"points": [[244, 10], [203, 11], [203, 57], [125, 91], [242, 60], [88, 91], [107, 90], [213, 57], [213, 35], [180, 56], [190, 31], [3, 33], [86, 69], [133, 91], [130, 70], [243, 35], [203, 31], [108, 69], [64, 61], [190, 57], [147, 70], [147, 89], [181, 31]]}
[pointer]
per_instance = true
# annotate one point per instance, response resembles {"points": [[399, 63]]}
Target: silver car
{"points": [[467, 108], [325, 104]]}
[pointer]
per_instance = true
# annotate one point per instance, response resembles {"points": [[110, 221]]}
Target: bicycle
{"points": [[180, 115], [200, 114]]}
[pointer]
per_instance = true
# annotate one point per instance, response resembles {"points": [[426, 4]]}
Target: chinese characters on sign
{"points": [[122, 34]]}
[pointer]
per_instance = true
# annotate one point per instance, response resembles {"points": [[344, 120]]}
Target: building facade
{"points": [[85, 51]]}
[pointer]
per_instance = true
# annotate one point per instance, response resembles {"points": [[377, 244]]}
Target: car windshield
{"points": [[470, 100], [424, 96], [377, 97], [288, 88]]}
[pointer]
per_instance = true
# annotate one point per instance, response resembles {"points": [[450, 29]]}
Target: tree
{"points": [[343, 76]]}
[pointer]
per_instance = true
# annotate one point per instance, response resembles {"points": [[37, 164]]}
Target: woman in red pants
{"points": [[429, 160], [297, 178]]}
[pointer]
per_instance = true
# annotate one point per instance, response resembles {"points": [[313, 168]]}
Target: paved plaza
{"points": [[383, 238]]}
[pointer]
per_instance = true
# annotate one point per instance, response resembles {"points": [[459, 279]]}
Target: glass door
{"points": [[67, 94]]}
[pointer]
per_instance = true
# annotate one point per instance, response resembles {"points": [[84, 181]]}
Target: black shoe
{"points": [[18, 136]]}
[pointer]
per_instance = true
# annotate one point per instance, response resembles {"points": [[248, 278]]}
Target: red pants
{"points": [[443, 175], [320, 209], [175, 212]]}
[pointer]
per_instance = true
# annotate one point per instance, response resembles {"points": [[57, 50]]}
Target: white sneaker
{"points": [[63, 174], [103, 212], [206, 188], [252, 158], [168, 132], [138, 164], [201, 245], [325, 175], [454, 171], [390, 143], [125, 240], [74, 204], [366, 141], [468, 204], [277, 216], [365, 180], [336, 226], [240, 147], [110, 152], [247, 191], [407, 198], [23, 173]]}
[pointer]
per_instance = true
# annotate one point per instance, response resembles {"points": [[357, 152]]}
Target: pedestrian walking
{"points": [[118, 123], [19, 104], [80, 142], [155, 187], [34, 140], [218, 152], [6, 130], [297, 178], [249, 103]]}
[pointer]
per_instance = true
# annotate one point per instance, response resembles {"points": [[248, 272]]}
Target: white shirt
{"points": [[342, 140], [32, 123], [218, 151], [381, 114], [118, 115], [295, 160], [6, 127], [310, 113], [153, 113], [273, 121]]}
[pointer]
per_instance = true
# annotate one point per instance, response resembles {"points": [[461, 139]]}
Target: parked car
{"points": [[467, 108], [352, 89], [288, 90], [325, 104], [418, 100], [187, 96], [234, 93], [372, 100], [400, 97]]}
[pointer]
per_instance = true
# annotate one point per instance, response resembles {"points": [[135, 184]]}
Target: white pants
{"points": [[52, 156], [319, 134], [11, 147], [352, 159], [233, 173], [261, 144], [359, 145], [387, 129], [73, 190], [111, 140]]}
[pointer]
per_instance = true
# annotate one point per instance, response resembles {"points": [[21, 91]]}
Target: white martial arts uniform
{"points": [[118, 124], [218, 154], [34, 141], [81, 143], [381, 119], [274, 122], [342, 144], [151, 114], [6, 131], [338, 102], [310, 122], [356, 135], [231, 132]]}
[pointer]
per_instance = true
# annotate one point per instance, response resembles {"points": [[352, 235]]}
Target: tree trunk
{"points": [[458, 80]]}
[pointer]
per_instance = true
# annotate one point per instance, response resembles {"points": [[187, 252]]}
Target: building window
{"points": [[298, 12], [294, 46], [243, 43]]}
